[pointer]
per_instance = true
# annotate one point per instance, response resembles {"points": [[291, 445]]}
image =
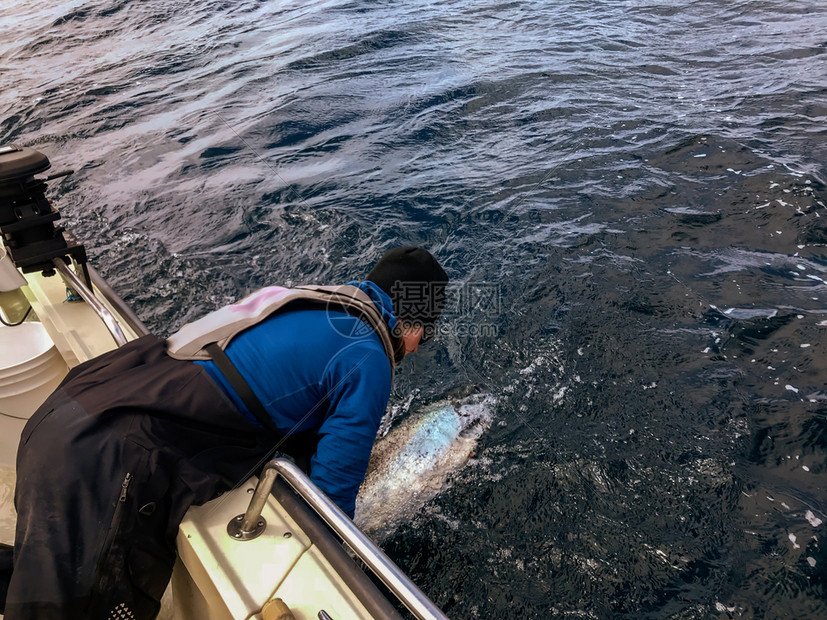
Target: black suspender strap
{"points": [[242, 388]]}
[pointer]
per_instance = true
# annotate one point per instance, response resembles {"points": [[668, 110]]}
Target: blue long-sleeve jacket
{"points": [[319, 369]]}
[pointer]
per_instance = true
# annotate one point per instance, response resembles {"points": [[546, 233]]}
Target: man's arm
{"points": [[358, 384]]}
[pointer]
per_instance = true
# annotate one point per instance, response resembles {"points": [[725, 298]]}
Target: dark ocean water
{"points": [[629, 195]]}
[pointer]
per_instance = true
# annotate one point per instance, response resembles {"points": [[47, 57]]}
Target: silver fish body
{"points": [[415, 460]]}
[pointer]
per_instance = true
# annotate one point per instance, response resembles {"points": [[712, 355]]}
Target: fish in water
{"points": [[414, 461]]}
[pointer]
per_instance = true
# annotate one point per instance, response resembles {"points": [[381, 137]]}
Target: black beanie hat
{"points": [[415, 282]]}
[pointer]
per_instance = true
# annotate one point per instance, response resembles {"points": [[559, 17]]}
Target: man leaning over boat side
{"points": [[110, 463]]}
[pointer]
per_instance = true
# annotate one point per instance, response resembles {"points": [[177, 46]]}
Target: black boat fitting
{"points": [[27, 218]]}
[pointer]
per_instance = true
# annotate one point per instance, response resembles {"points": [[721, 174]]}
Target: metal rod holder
{"points": [[382, 566], [89, 297]]}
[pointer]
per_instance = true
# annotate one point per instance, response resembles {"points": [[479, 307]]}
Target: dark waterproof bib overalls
{"points": [[106, 469]]}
